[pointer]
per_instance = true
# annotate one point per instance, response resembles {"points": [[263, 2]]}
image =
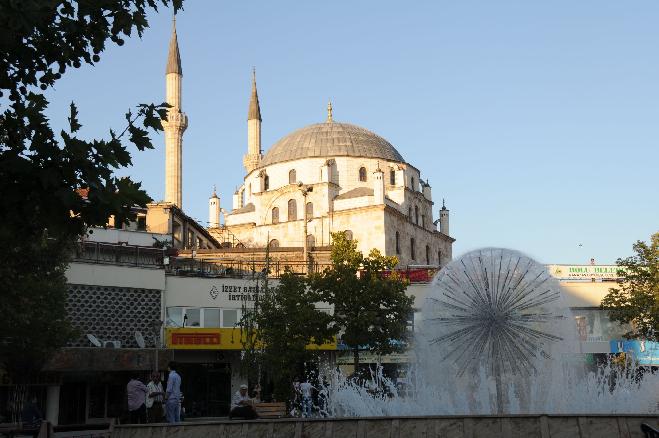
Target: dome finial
{"points": [[329, 111]]}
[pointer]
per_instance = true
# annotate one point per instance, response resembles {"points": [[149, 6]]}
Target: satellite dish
{"points": [[94, 340], [140, 339]]}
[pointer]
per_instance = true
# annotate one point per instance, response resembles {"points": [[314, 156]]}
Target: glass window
{"points": [[174, 317], [229, 317], [392, 177], [193, 318], [211, 317], [292, 177], [362, 174], [292, 210], [275, 215]]}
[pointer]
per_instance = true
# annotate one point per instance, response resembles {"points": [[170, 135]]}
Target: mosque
{"points": [[323, 178]]}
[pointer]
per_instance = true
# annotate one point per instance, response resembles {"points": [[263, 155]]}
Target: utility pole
{"points": [[305, 190]]}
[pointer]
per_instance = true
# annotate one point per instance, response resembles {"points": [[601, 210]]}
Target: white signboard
{"points": [[584, 272]]}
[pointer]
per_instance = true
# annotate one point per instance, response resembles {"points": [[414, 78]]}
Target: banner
{"points": [[585, 272]]}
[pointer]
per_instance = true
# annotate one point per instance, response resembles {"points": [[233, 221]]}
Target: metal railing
{"points": [[108, 253], [236, 268]]}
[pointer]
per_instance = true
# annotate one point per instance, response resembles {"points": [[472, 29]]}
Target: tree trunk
{"points": [[355, 360]]}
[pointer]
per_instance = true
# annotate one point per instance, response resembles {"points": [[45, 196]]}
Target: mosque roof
{"points": [[331, 139]]}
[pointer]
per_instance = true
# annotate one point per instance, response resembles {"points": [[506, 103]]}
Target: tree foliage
{"points": [[285, 321], [40, 172], [636, 299], [371, 310]]}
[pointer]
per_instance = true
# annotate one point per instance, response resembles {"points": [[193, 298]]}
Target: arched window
{"points": [[274, 243], [311, 241], [348, 234], [416, 214], [409, 214], [439, 258], [292, 210], [266, 183], [275, 215], [397, 242], [250, 190], [412, 186], [423, 220], [362, 174], [309, 210], [427, 255], [292, 178], [392, 177], [412, 249]]}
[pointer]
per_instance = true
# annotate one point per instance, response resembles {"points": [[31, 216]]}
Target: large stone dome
{"points": [[331, 139]]}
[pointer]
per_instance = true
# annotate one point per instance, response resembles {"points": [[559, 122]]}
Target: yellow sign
{"points": [[190, 338]]}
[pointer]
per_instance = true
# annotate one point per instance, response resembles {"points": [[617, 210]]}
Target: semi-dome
{"points": [[331, 139]]}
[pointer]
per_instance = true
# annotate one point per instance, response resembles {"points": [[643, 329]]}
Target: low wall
{"points": [[542, 426]]}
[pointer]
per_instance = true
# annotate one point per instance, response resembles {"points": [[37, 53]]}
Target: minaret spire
{"points": [[254, 112], [175, 124], [252, 159], [329, 111]]}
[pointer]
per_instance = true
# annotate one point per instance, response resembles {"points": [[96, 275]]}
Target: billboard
{"points": [[646, 353], [585, 272]]}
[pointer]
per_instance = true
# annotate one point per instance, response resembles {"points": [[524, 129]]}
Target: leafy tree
{"points": [[40, 173], [285, 321], [636, 300], [371, 310]]}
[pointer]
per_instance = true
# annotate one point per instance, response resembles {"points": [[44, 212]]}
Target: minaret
{"points": [[378, 186], [443, 219], [214, 210], [252, 159], [175, 125]]}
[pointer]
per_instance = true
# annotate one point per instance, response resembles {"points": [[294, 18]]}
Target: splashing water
{"points": [[496, 338]]}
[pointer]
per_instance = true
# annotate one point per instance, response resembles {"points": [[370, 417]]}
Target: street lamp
{"points": [[305, 190]]}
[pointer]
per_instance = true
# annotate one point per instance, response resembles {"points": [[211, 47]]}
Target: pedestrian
{"points": [[305, 390], [241, 405], [154, 397], [136, 392], [31, 415], [173, 395]]}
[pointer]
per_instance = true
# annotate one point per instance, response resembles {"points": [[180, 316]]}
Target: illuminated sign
{"points": [[198, 338], [194, 338]]}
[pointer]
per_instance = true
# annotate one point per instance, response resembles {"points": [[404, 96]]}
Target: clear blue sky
{"points": [[537, 121]]}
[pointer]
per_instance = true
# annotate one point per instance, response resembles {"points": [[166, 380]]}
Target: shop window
{"points": [[292, 177], [362, 174], [174, 317], [292, 210], [229, 317], [211, 317], [397, 242], [412, 249], [192, 318], [309, 210], [275, 215]]}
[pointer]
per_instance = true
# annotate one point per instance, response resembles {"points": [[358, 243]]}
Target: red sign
{"points": [[197, 338], [414, 275]]}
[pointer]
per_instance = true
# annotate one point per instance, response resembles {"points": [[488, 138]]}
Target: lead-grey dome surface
{"points": [[331, 139]]}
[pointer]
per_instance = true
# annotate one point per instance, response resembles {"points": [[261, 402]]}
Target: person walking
{"points": [[154, 397], [136, 392], [173, 395]]}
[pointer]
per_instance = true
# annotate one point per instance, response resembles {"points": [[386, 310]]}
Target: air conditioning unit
{"points": [[112, 344]]}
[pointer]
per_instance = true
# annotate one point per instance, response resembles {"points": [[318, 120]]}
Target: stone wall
{"points": [[550, 426]]}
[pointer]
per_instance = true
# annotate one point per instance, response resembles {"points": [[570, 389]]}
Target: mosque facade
{"points": [[323, 178]]}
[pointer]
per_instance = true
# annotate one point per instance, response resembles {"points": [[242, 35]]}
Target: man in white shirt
{"points": [[241, 405], [173, 395], [154, 397]]}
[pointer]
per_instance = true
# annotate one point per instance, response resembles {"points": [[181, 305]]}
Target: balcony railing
{"points": [[236, 268], [108, 253]]}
